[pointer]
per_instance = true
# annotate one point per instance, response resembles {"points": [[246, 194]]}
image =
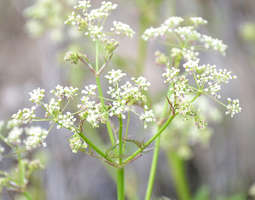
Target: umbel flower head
{"points": [[91, 23], [189, 78], [123, 98], [185, 31]]}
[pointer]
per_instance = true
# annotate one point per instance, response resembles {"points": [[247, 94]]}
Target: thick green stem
{"points": [[100, 92], [153, 169], [21, 165], [120, 172], [27, 195], [177, 165], [120, 184]]}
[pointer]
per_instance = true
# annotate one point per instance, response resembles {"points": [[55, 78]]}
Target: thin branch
{"points": [[88, 64], [104, 65]]}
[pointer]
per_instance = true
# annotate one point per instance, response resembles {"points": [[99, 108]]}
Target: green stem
{"points": [[160, 131], [177, 164], [21, 166], [120, 141], [27, 195], [100, 92], [155, 160], [120, 172], [93, 146], [153, 169], [126, 133], [120, 184], [133, 156]]}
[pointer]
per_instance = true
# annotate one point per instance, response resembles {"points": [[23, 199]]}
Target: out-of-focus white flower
{"points": [[198, 21], [148, 117], [120, 28], [233, 107], [76, 143], [14, 135], [66, 121], [35, 137], [114, 76], [37, 95]]}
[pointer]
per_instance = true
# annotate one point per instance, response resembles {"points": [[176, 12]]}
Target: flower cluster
{"points": [[94, 109], [14, 136], [165, 28], [148, 116], [76, 143], [91, 111], [198, 21], [114, 76], [52, 108], [72, 57], [126, 95], [35, 137], [171, 74], [185, 33], [37, 95], [194, 79], [233, 107], [23, 116], [120, 28], [66, 121], [61, 92], [91, 22]]}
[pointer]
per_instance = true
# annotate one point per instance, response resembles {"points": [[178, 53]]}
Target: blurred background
{"points": [[33, 39]]}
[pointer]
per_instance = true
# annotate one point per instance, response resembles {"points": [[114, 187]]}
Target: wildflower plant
{"points": [[16, 145], [186, 81]]}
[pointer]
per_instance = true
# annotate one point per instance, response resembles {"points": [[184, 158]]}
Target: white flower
{"points": [[89, 90], [24, 116], [176, 52], [148, 117], [66, 121], [187, 33], [167, 27], [90, 22], [114, 76], [76, 143], [172, 22], [191, 65], [190, 54], [198, 21], [96, 33], [121, 28], [14, 135], [142, 83], [170, 74], [213, 43], [96, 115], [233, 107], [60, 92], [36, 136], [53, 108], [119, 108], [37, 95], [83, 5]]}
